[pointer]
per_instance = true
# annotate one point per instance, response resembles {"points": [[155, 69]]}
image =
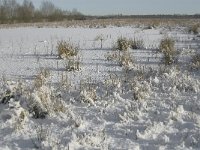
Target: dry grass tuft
{"points": [[195, 29], [167, 47], [66, 49], [123, 44]]}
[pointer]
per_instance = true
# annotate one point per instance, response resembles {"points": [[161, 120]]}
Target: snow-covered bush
{"points": [[66, 49], [112, 82], [167, 47], [10, 90], [174, 79], [88, 96], [88, 93], [12, 101], [42, 100], [40, 103], [141, 89], [196, 61]]}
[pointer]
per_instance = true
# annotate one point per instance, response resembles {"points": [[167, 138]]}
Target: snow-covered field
{"points": [[103, 105]]}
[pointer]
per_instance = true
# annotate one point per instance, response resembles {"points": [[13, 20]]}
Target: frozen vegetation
{"points": [[129, 87]]}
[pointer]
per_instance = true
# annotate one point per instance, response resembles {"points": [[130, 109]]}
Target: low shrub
{"points": [[196, 61], [195, 29], [167, 47], [66, 49], [88, 95], [42, 100], [88, 92], [141, 90], [123, 44]]}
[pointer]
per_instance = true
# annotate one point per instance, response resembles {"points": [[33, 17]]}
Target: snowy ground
{"points": [[103, 105]]}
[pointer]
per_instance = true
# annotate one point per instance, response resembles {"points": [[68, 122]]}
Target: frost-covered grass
{"points": [[111, 99]]}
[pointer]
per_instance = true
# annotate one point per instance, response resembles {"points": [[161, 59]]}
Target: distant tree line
{"points": [[175, 16], [12, 12]]}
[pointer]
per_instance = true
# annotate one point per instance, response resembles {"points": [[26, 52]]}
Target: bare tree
{"points": [[8, 8], [11, 11], [47, 8], [26, 11], [50, 11]]}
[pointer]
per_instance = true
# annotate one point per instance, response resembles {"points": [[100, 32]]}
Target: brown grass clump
{"points": [[66, 49], [123, 44], [195, 29], [167, 47]]}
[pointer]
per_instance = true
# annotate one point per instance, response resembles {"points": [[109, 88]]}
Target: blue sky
{"points": [[105, 7]]}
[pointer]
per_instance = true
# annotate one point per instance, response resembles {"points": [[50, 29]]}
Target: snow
{"points": [[103, 105]]}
